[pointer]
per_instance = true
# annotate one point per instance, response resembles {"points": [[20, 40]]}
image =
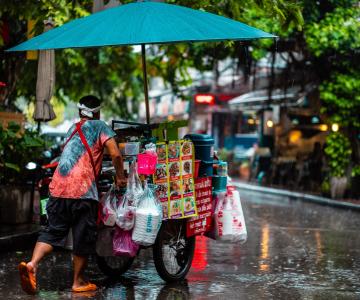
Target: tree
{"points": [[332, 36], [114, 73]]}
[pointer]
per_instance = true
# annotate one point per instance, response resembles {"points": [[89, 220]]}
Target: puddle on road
{"points": [[296, 251]]}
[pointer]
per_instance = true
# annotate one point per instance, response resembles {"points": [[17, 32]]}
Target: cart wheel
{"points": [[173, 251], [114, 266]]}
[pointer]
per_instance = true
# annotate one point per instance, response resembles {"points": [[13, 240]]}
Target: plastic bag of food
{"points": [[125, 212], [148, 218], [240, 232], [108, 204], [123, 245], [229, 219]]}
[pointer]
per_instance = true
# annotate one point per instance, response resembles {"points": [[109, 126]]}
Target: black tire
{"points": [[173, 252], [114, 266]]}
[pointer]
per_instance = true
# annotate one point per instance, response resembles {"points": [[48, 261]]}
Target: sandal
{"points": [[27, 279], [85, 288]]}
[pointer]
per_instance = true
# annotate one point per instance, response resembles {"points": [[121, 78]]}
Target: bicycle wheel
{"points": [[173, 251], [114, 266]]}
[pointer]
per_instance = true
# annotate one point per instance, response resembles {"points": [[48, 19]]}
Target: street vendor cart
{"points": [[173, 176], [147, 23], [191, 188]]}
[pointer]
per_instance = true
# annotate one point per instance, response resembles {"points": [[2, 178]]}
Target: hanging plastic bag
{"points": [[123, 245], [147, 161], [108, 204], [125, 212], [134, 188], [148, 218], [240, 232], [229, 219], [223, 220]]}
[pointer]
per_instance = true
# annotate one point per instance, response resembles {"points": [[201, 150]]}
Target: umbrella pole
{"points": [[146, 92]]}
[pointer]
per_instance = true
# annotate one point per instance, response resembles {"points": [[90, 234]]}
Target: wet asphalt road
{"points": [[295, 250]]}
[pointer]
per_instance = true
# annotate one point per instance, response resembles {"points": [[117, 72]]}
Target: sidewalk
{"points": [[18, 237], [297, 195]]}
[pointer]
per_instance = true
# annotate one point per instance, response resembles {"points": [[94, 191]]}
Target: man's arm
{"points": [[117, 161]]}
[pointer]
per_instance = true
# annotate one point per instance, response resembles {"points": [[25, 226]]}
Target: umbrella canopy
{"points": [[45, 83], [143, 23]]}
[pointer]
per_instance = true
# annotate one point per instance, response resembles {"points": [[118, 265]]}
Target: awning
{"points": [[260, 98]]}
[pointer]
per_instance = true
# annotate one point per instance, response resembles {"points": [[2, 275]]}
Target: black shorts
{"points": [[78, 214]]}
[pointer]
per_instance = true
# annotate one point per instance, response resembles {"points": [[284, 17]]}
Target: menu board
{"points": [[203, 222], [175, 180]]}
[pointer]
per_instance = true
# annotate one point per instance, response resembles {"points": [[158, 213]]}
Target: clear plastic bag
{"points": [[108, 205], [150, 149], [125, 215], [148, 218], [123, 245], [125, 212]]}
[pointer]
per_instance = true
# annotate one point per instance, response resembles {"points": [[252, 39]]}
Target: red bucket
{"points": [[197, 167]]}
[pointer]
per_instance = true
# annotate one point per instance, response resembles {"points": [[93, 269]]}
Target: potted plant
{"points": [[338, 152], [17, 148]]}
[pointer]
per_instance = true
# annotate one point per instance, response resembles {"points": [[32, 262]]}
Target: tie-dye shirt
{"points": [[74, 177]]}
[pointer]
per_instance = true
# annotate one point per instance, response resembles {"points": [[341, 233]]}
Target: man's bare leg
{"points": [[40, 251], [80, 263], [27, 271]]}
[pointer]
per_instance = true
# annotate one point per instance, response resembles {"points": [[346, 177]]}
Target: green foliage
{"points": [[325, 186], [332, 36], [16, 150], [341, 94], [338, 151], [338, 32], [355, 171], [114, 73]]}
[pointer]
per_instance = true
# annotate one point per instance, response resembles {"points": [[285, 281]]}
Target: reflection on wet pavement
{"points": [[295, 250]]}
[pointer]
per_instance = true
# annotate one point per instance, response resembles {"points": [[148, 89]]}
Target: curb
{"points": [[20, 241], [297, 195]]}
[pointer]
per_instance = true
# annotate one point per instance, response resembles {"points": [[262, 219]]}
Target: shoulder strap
{"points": [[85, 143], [83, 140], [74, 132]]}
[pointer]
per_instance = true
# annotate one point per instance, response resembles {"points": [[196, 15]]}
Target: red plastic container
{"points": [[197, 167], [146, 163]]}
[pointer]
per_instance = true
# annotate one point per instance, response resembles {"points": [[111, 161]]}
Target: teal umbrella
{"points": [[143, 23]]}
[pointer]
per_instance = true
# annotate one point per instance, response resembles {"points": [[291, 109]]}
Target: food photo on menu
{"points": [[175, 208], [175, 189], [186, 148], [165, 209], [189, 205], [174, 150], [174, 169], [187, 167], [160, 172], [188, 185], [161, 152], [161, 190]]}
